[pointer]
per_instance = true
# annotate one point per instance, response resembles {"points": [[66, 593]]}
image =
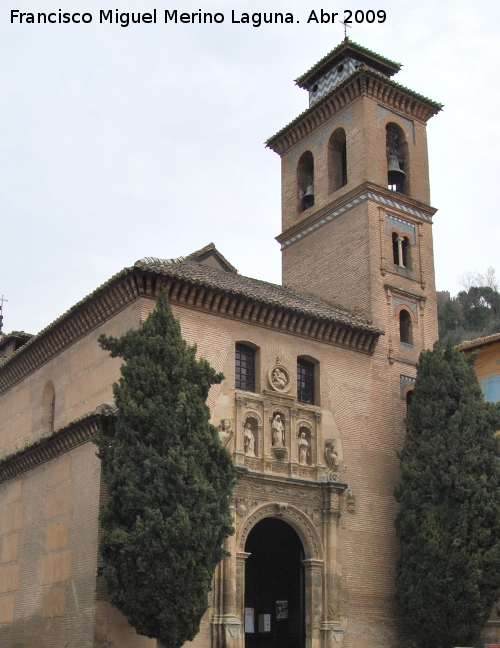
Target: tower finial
{"points": [[345, 26]]}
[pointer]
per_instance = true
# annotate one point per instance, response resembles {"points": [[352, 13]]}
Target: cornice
{"points": [[103, 303], [365, 191], [73, 435], [132, 283], [362, 82], [278, 482]]}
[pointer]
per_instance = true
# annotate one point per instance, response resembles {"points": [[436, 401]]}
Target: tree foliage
{"points": [[471, 314], [168, 478], [448, 574]]}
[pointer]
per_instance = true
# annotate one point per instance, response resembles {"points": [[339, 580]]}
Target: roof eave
{"points": [[431, 107], [340, 52]]}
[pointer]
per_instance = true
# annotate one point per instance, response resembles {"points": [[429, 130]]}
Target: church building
{"points": [[317, 371]]}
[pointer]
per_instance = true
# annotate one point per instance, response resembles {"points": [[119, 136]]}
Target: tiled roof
{"points": [[193, 284], [365, 55], [262, 291], [470, 344]]}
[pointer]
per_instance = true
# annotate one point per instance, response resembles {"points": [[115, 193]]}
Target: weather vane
{"points": [[345, 26]]}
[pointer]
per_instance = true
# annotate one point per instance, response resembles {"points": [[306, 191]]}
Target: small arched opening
{"points": [[305, 181], [397, 159], [409, 397], [274, 586], [405, 327], [337, 160]]}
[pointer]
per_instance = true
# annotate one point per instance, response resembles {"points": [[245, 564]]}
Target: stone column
{"points": [[266, 437], [226, 622], [239, 458], [331, 630], [400, 251], [313, 576], [241, 558]]}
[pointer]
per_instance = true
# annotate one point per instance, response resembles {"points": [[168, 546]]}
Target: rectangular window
{"points": [[245, 368], [305, 382], [491, 388]]}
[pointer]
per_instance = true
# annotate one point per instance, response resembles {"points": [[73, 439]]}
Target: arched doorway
{"points": [[274, 587]]}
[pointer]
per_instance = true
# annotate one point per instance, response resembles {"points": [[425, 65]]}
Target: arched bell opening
{"points": [[337, 160], [274, 586], [397, 159], [305, 181]]}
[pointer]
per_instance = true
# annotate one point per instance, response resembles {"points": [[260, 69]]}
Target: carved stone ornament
{"points": [[279, 378], [225, 432], [281, 507], [280, 452], [351, 501], [331, 458]]}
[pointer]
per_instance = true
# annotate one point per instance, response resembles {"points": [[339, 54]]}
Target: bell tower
{"points": [[356, 214]]}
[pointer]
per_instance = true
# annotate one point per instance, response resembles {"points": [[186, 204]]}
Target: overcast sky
{"points": [[119, 143]]}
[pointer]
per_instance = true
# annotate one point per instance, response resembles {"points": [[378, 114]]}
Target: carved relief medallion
{"points": [[279, 378]]}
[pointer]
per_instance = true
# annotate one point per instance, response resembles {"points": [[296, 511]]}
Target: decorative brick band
{"points": [[368, 195], [363, 82]]}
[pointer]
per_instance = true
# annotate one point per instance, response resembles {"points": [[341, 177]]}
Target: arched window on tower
{"points": [[48, 407], [397, 159], [409, 396], [305, 181], [337, 160], [405, 327], [401, 250]]}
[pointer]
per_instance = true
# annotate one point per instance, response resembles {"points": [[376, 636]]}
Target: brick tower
{"points": [[357, 232], [356, 215]]}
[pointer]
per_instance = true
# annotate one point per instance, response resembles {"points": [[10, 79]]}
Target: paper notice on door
{"points": [[249, 620], [282, 609], [264, 623]]}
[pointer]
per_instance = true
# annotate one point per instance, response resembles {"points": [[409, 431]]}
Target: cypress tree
{"points": [[448, 574], [168, 479]]}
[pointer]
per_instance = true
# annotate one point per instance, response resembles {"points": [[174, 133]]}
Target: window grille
{"points": [[245, 368], [305, 382]]}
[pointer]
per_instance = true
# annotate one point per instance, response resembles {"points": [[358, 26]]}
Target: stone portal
{"points": [[274, 587]]}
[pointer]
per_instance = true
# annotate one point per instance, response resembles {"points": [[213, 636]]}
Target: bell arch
{"points": [[305, 181], [337, 160], [398, 177]]}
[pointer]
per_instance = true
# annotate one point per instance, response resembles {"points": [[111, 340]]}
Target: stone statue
{"points": [[249, 440], [225, 432], [303, 448], [279, 378], [331, 456], [278, 431]]}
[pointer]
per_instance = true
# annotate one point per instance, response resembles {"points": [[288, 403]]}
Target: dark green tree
{"points": [[471, 314], [168, 479], [448, 574]]}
